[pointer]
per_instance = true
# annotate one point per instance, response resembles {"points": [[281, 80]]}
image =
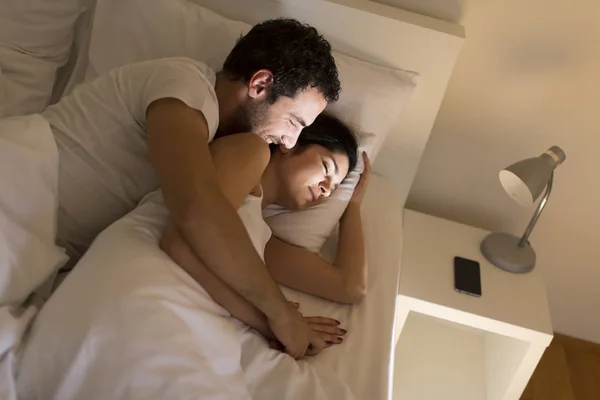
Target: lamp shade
{"points": [[525, 180]]}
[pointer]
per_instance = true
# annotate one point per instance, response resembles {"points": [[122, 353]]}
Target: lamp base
{"points": [[502, 250]]}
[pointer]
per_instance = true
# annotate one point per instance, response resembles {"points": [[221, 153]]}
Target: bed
{"points": [[363, 366], [131, 301]]}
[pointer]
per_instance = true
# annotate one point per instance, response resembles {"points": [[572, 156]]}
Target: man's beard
{"points": [[251, 117]]}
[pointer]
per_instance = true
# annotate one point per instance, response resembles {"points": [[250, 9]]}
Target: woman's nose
{"points": [[325, 188]]}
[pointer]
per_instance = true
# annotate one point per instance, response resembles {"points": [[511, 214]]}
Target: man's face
{"points": [[282, 121]]}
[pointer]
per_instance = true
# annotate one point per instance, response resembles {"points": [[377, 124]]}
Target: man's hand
{"points": [[361, 187], [297, 338]]}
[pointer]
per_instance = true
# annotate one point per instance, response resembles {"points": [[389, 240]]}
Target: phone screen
{"points": [[467, 276]]}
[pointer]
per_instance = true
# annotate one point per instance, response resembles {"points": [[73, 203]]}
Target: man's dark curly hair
{"points": [[297, 55]]}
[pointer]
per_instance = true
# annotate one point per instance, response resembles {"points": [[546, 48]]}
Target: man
{"points": [[149, 124]]}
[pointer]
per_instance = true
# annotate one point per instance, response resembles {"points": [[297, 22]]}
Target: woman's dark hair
{"points": [[329, 132], [297, 55]]}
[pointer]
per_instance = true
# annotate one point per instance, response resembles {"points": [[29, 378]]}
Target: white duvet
{"points": [[28, 256], [128, 323]]}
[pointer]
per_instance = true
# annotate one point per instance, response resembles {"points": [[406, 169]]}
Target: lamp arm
{"points": [[538, 212]]}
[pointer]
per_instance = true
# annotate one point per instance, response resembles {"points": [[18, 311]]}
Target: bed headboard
{"points": [[382, 35]]}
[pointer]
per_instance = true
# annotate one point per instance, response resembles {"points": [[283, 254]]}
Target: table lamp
{"points": [[524, 181]]}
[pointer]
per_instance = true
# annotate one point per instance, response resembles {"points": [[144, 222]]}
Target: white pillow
{"points": [[148, 29], [372, 99], [28, 205], [35, 39], [73, 72], [372, 96], [25, 82]]}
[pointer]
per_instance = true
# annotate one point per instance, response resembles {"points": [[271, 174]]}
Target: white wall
{"points": [[528, 77]]}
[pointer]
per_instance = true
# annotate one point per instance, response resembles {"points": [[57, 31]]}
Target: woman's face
{"points": [[306, 177]]}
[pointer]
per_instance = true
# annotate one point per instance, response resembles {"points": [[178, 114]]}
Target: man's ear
{"points": [[259, 83]]}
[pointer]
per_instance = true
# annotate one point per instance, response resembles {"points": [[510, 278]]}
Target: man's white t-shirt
{"points": [[100, 131]]}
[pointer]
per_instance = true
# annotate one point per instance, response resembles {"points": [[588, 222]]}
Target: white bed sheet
{"points": [[128, 323]]}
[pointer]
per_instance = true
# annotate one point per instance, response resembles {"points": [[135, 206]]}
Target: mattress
{"points": [[129, 323]]}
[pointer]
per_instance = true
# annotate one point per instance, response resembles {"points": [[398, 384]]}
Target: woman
{"points": [[343, 281], [295, 179]]}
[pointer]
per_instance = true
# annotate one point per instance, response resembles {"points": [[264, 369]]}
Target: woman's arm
{"points": [[345, 280]]}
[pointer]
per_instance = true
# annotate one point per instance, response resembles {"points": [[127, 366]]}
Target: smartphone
{"points": [[467, 276]]}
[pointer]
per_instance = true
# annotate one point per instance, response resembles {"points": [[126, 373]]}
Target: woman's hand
{"points": [[327, 328], [361, 187]]}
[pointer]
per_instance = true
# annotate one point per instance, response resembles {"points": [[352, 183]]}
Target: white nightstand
{"points": [[451, 346]]}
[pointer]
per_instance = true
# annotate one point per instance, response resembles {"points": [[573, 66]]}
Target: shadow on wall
{"points": [[447, 10]]}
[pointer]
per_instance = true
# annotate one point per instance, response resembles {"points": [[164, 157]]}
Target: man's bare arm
{"points": [[178, 147], [174, 245], [177, 142]]}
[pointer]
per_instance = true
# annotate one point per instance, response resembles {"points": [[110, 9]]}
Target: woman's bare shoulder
{"points": [[246, 150]]}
